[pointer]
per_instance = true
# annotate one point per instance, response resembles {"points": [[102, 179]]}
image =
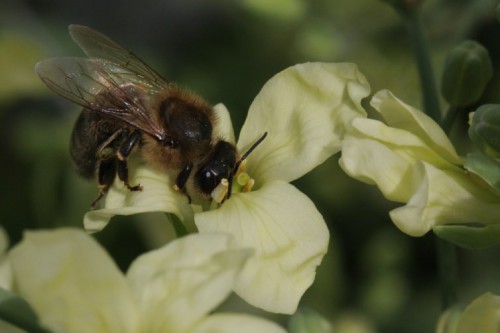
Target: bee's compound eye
{"points": [[207, 180]]}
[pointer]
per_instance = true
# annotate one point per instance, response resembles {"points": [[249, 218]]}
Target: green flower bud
{"points": [[308, 321], [467, 71], [484, 129]]}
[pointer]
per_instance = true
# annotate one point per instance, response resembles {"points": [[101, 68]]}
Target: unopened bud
{"points": [[308, 321], [484, 129], [466, 73]]}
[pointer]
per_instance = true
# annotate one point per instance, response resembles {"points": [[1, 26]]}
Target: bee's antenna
{"points": [[248, 152], [237, 165]]}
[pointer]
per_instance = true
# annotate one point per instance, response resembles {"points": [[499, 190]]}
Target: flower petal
{"points": [[224, 129], [446, 197], [397, 114], [180, 283], [157, 196], [305, 109], [288, 234], [231, 323], [482, 315], [72, 283], [377, 154], [5, 270]]}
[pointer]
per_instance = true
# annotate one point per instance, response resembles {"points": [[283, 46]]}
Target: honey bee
{"points": [[128, 106]]}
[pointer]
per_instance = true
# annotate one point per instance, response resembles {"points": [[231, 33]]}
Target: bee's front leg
{"points": [[181, 180]]}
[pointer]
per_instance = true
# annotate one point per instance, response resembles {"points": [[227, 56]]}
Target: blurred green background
{"points": [[374, 278]]}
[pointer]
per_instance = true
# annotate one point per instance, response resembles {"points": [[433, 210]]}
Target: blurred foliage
{"points": [[374, 279]]}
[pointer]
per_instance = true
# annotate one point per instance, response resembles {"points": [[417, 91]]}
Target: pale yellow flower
{"points": [[481, 315], [74, 286], [411, 160], [305, 109]]}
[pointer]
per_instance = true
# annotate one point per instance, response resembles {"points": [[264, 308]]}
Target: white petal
{"points": [[72, 283], [446, 197], [224, 129], [179, 284], [288, 234], [397, 114], [482, 315], [375, 153], [232, 323], [157, 196], [305, 109]]}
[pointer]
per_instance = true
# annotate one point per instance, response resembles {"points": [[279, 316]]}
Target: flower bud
{"points": [[466, 73], [484, 129], [307, 321]]}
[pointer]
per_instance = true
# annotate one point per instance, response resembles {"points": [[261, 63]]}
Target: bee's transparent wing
{"points": [[97, 45], [103, 87]]}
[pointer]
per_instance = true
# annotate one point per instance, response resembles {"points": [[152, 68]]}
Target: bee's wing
{"points": [[103, 87], [97, 45]]}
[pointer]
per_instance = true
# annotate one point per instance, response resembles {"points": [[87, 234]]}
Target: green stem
{"points": [[424, 65], [448, 272], [446, 251], [180, 229], [449, 118]]}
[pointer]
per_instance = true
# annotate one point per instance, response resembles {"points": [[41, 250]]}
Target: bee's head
{"points": [[222, 165]]}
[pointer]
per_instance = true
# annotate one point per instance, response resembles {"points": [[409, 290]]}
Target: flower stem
{"points": [[448, 272], [446, 251], [449, 118], [411, 16], [180, 229]]}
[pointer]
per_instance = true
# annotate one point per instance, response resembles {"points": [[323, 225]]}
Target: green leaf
{"points": [[473, 236], [486, 168], [16, 311], [179, 227]]}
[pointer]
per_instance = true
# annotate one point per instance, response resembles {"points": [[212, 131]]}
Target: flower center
{"points": [[242, 182]]}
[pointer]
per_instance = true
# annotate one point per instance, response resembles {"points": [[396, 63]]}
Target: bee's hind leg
{"points": [[121, 159], [105, 174]]}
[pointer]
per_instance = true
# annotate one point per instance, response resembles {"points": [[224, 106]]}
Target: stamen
{"points": [[219, 193]]}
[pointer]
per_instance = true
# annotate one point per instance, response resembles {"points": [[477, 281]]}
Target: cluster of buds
{"points": [[467, 72]]}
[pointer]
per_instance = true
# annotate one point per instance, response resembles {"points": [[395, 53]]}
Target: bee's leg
{"points": [[121, 156], [181, 180], [105, 173]]}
